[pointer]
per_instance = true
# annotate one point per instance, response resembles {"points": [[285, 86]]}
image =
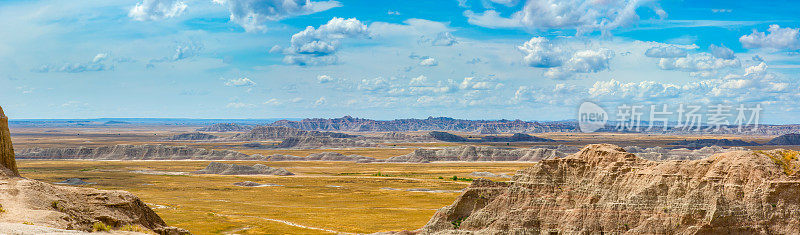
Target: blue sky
{"points": [[476, 59]]}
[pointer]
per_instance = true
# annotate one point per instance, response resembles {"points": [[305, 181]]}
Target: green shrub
{"points": [[100, 227]]}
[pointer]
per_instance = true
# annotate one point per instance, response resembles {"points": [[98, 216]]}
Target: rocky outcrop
{"points": [[233, 169], [446, 137], [711, 142], [662, 154], [41, 204], [518, 137], [264, 133], [8, 165], [477, 153], [323, 142], [226, 127], [604, 189], [133, 152], [787, 139], [193, 136]]}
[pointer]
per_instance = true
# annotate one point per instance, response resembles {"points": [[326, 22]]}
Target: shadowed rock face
{"points": [[603, 189], [787, 139], [8, 166]]}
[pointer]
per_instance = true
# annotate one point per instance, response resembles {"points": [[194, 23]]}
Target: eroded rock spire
{"points": [[8, 166]]}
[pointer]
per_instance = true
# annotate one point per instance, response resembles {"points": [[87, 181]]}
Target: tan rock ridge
{"points": [[603, 189], [42, 204]]}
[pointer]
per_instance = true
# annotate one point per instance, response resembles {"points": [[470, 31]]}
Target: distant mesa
{"points": [[226, 127], [351, 124], [604, 189], [112, 122], [323, 142], [74, 181], [518, 137], [233, 169], [133, 152], [787, 139], [265, 133], [193, 136], [712, 142]]}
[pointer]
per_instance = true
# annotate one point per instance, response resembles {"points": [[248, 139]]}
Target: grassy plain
{"points": [[322, 197]]}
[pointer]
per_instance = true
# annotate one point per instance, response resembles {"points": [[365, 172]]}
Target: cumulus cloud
{"points": [[429, 61], [240, 82], [444, 39], [316, 46], [721, 52], [326, 79], [778, 38], [698, 62], [564, 62], [320, 101], [644, 90], [669, 51], [253, 15], [156, 9], [96, 64], [581, 15]]}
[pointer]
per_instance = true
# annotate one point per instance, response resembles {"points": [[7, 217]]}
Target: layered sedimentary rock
{"points": [[132, 152], [41, 204], [477, 153], [8, 166], [603, 189], [348, 123], [226, 127], [324, 156], [233, 169], [787, 139], [518, 137], [662, 154], [193, 136], [263, 133], [323, 142], [712, 142]]}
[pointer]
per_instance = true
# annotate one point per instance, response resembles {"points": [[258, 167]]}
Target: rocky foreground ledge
{"points": [[604, 189], [30, 202]]}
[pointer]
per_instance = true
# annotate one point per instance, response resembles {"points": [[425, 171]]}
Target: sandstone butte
{"points": [[604, 190], [33, 202]]}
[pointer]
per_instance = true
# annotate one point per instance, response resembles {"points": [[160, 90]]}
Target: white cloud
{"points": [[326, 79], [581, 15], [92, 66], [156, 9], [253, 15], [420, 80], [444, 39], [241, 82], [698, 62], [541, 53], [669, 51], [238, 105], [390, 12], [721, 52], [320, 101], [273, 101], [778, 38], [428, 62], [316, 46]]}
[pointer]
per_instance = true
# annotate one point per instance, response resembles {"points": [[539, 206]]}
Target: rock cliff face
{"points": [[8, 166], [603, 189], [662, 154], [263, 133], [132, 152], [787, 139], [193, 136], [323, 142], [226, 127], [712, 142], [477, 153], [42, 204], [233, 169]]}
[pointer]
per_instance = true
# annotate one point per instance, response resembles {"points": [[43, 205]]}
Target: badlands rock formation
{"points": [[62, 207], [603, 189], [133, 152], [662, 154], [787, 139], [348, 123], [193, 136], [233, 169], [264, 133], [324, 156], [477, 153], [323, 142], [711, 142], [226, 127]]}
